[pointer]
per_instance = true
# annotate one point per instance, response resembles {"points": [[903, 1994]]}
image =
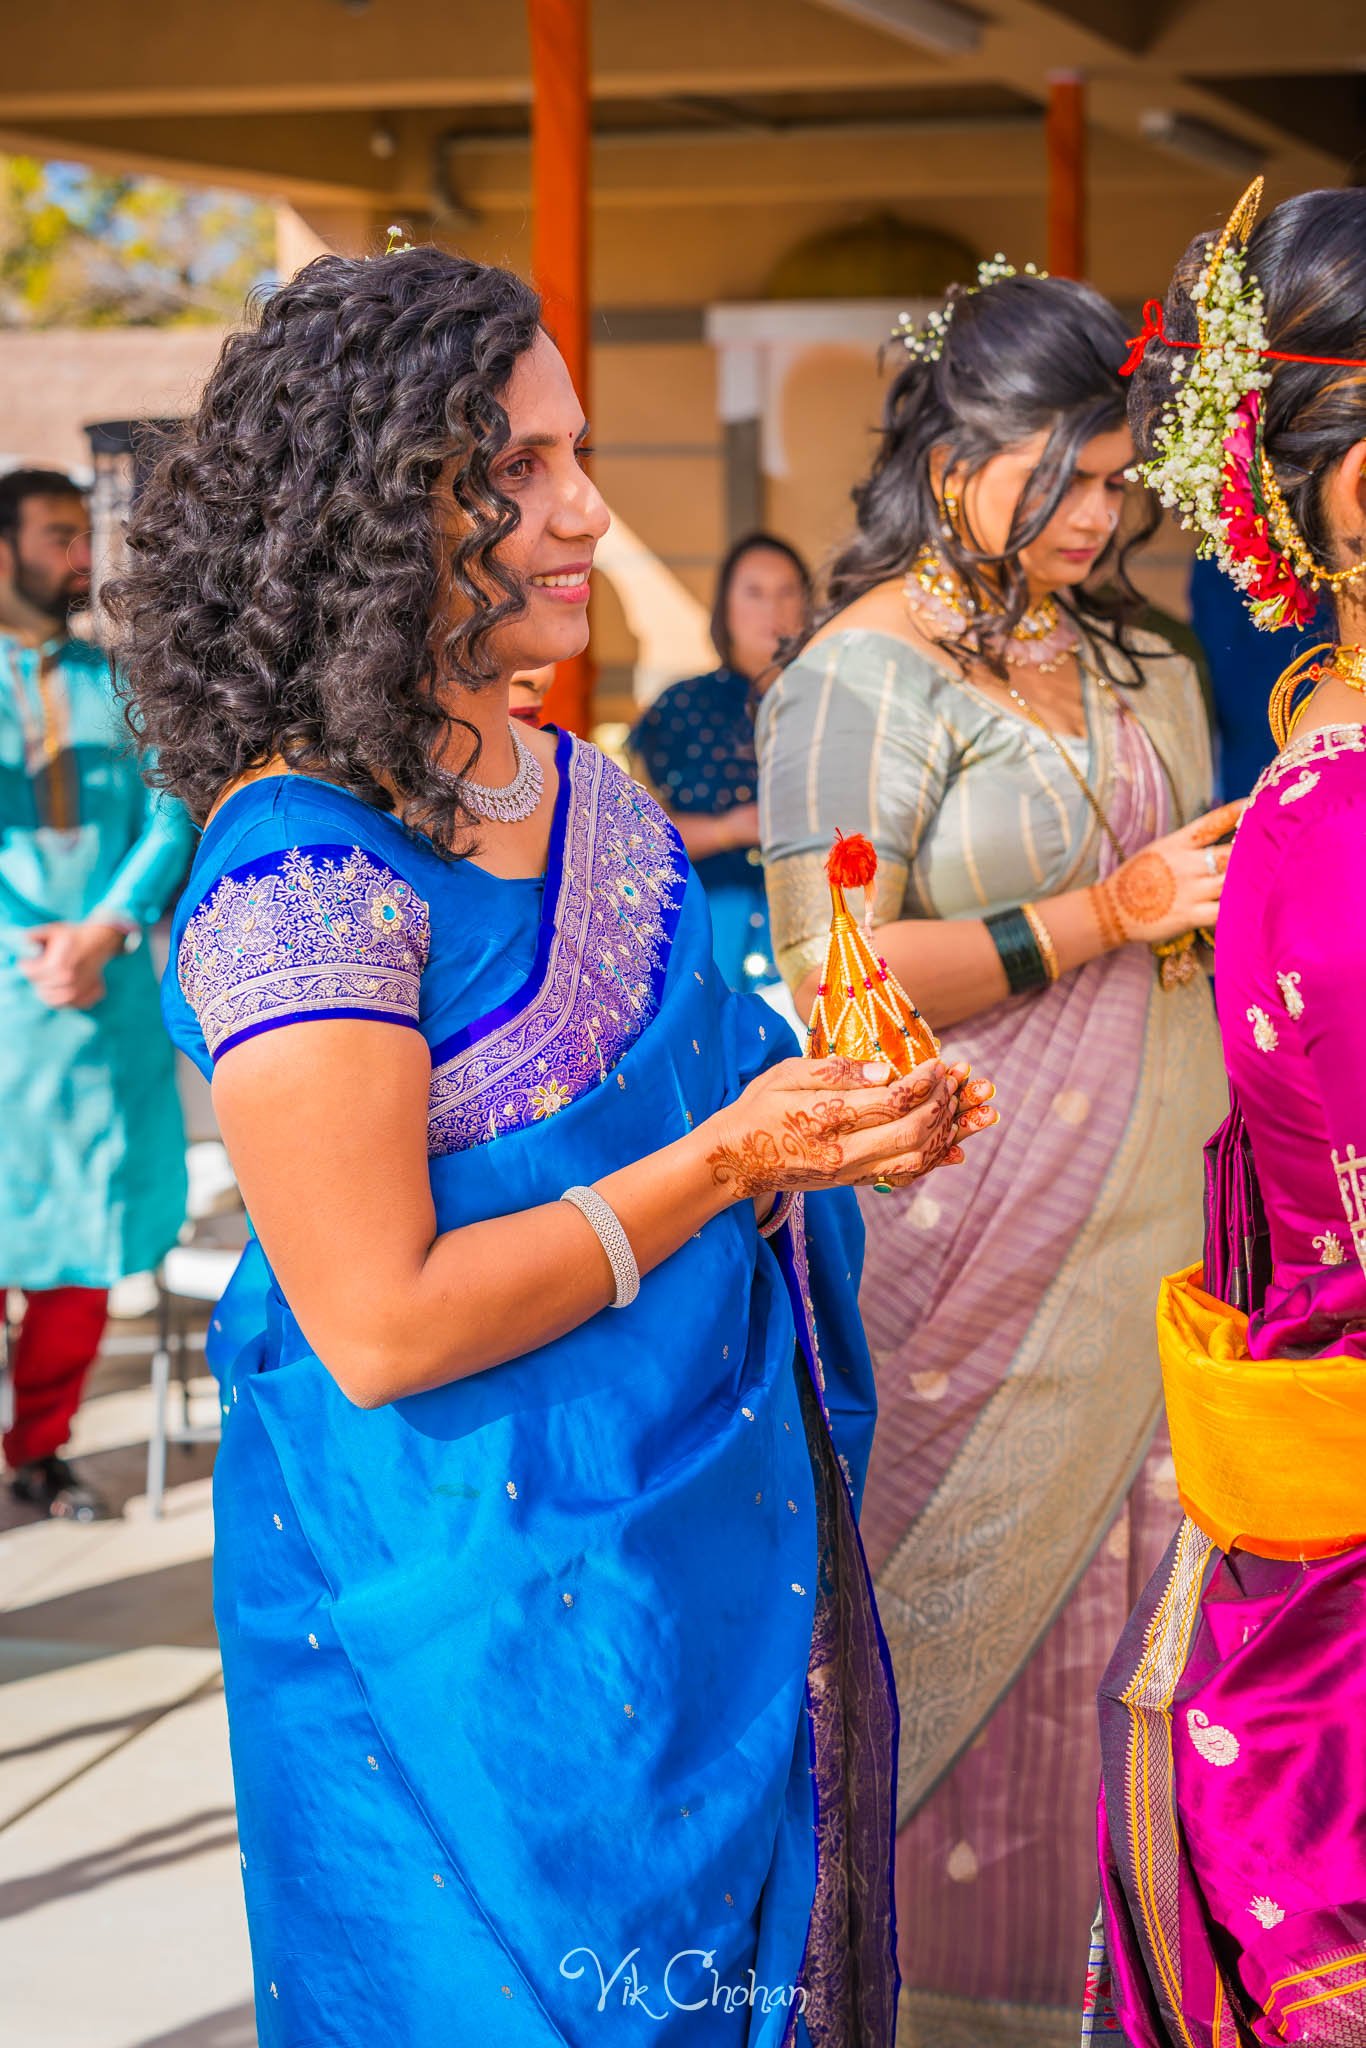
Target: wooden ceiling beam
{"points": [[1262, 38], [86, 59], [326, 158]]}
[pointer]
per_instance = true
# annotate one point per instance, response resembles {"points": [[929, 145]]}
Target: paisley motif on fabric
{"points": [[1289, 985], [1219, 1746], [623, 874], [1305, 782], [1263, 1030], [318, 931]]}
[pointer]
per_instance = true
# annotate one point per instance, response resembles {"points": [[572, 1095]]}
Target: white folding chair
{"points": [[189, 1273], [9, 1337]]}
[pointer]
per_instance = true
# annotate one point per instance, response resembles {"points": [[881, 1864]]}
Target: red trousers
{"points": [[58, 1339]]}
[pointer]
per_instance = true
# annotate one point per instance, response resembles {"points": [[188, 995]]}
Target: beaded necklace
{"points": [[1344, 665], [1042, 639]]}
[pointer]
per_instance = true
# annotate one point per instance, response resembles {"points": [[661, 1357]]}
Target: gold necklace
{"points": [[1043, 638], [1344, 665]]}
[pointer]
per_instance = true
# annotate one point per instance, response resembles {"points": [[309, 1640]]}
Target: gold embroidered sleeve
{"points": [[302, 934]]}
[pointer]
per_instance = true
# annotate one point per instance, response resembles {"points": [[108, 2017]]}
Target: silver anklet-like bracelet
{"points": [[603, 1221]]}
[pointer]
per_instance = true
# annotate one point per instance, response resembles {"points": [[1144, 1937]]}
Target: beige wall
{"points": [[830, 405], [56, 379]]}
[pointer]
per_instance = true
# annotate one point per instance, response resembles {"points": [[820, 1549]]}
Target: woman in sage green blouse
{"points": [[1032, 774]]}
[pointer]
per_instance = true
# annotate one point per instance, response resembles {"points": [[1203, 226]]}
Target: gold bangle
{"points": [[1043, 939]]}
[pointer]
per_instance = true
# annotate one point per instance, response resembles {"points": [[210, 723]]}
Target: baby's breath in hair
{"points": [[1187, 465], [926, 344]]}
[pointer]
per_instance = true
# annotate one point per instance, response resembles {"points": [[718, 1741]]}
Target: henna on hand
{"points": [[749, 1168], [811, 1136], [809, 1149], [837, 1071], [1107, 922], [1144, 888]]}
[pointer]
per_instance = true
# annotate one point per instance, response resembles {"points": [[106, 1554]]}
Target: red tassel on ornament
{"points": [[852, 862]]}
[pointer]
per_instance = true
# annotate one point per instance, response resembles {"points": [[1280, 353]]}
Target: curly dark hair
{"points": [[1309, 257], [285, 561], [1021, 356]]}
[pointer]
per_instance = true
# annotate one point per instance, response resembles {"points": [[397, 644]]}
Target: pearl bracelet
{"points": [[603, 1221]]}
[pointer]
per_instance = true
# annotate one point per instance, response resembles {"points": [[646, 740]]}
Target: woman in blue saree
{"points": [[557, 1695]]}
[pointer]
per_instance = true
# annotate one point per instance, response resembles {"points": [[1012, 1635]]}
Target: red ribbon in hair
{"points": [[1154, 328]]}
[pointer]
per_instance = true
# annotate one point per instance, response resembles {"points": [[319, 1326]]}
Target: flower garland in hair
{"points": [[1208, 461], [926, 344]]}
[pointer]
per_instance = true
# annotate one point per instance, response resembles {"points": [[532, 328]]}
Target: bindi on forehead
{"points": [[542, 438]]}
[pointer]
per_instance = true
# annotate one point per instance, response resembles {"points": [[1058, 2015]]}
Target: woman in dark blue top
{"points": [[694, 747]]}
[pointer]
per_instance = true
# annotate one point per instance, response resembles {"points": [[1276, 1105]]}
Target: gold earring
{"points": [[950, 505]]}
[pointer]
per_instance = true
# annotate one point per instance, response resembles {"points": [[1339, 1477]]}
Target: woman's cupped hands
{"points": [[812, 1124]]}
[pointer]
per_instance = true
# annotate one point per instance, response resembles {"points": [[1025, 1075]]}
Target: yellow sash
{"points": [[1270, 1453]]}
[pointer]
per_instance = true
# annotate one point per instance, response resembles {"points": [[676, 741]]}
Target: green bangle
{"points": [[1019, 950]]}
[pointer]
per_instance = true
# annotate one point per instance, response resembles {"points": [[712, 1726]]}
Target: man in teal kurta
{"points": [[92, 1147]]}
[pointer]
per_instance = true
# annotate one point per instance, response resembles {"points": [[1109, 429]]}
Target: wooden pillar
{"points": [[1066, 133], [561, 120]]}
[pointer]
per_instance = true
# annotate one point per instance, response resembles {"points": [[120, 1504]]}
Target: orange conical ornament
{"points": [[861, 1009]]}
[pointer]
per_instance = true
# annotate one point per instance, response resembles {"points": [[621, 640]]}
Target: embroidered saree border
{"points": [[1152, 1841], [1325, 1995], [608, 922]]}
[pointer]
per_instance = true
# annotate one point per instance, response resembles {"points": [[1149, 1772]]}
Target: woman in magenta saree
{"points": [[1233, 1808]]}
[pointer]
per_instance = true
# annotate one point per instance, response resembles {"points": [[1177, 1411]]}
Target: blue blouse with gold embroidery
{"points": [[306, 903], [317, 931]]}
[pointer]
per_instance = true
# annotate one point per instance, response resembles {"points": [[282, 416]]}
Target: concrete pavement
{"points": [[121, 1922]]}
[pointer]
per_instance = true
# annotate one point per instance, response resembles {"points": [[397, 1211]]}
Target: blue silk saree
{"points": [[560, 1711]]}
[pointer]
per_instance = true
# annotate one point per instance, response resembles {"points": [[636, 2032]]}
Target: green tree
{"points": [[83, 248]]}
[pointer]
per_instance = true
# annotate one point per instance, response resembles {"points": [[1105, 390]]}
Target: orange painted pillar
{"points": [[561, 124], [1066, 134]]}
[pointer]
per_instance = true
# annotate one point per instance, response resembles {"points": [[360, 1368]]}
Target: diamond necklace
{"points": [[514, 802], [1042, 639]]}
